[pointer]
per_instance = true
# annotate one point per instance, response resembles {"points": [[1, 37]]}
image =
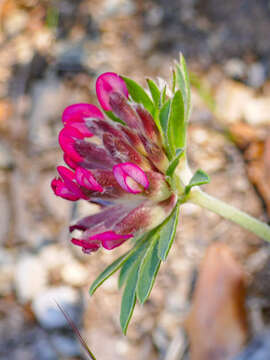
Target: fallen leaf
{"points": [[216, 324]]}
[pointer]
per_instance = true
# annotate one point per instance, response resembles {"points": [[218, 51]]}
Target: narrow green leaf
{"points": [[112, 268], [136, 252], [164, 116], [173, 81], [52, 17], [129, 297], [163, 95], [148, 270], [187, 80], [139, 95], [181, 84], [167, 234], [155, 92], [176, 125], [111, 115], [199, 178], [174, 162]]}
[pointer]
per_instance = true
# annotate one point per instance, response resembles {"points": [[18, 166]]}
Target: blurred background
{"points": [[50, 55]]}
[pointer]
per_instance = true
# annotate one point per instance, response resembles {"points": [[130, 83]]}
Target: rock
{"points": [[257, 110], [30, 278], [44, 350], [16, 22], [160, 339], [74, 274], [54, 256], [241, 103], [154, 16], [235, 68], [47, 311], [4, 218], [114, 7], [233, 97], [66, 346], [6, 161], [256, 75], [258, 349]]}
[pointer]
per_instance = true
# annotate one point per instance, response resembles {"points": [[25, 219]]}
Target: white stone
{"points": [[65, 345], [54, 256], [74, 274], [30, 278], [47, 312]]}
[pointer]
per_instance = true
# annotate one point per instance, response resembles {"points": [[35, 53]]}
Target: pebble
{"points": [[47, 312], [235, 68], [6, 161], [256, 75], [55, 256], [15, 23], [30, 278], [257, 349], [4, 218], [66, 346], [44, 349], [74, 274]]}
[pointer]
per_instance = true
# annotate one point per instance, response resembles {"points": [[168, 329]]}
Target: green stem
{"points": [[229, 212]]}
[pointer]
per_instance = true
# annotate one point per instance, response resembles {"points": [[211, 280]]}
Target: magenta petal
{"points": [[79, 112], [65, 172], [106, 84], [68, 176], [110, 239], [85, 178], [63, 191], [129, 175], [72, 164], [67, 137], [87, 246], [55, 183], [82, 128], [60, 189]]}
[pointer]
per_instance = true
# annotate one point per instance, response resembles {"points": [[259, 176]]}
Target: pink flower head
{"points": [[120, 167]]}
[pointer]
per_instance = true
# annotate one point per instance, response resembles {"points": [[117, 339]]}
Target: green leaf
{"points": [[135, 253], [139, 95], [167, 234], [180, 81], [155, 92], [164, 116], [163, 95], [111, 115], [174, 162], [183, 83], [148, 270], [173, 81], [129, 296], [176, 131], [187, 81], [52, 17], [199, 178], [112, 268]]}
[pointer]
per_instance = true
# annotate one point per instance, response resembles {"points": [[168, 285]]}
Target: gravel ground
{"points": [[50, 55]]}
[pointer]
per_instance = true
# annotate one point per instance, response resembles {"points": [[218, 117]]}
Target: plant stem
{"points": [[229, 212]]}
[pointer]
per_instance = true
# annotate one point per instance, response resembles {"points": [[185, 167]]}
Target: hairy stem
{"points": [[229, 212]]}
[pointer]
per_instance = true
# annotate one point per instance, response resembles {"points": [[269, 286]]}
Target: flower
{"points": [[118, 165]]}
